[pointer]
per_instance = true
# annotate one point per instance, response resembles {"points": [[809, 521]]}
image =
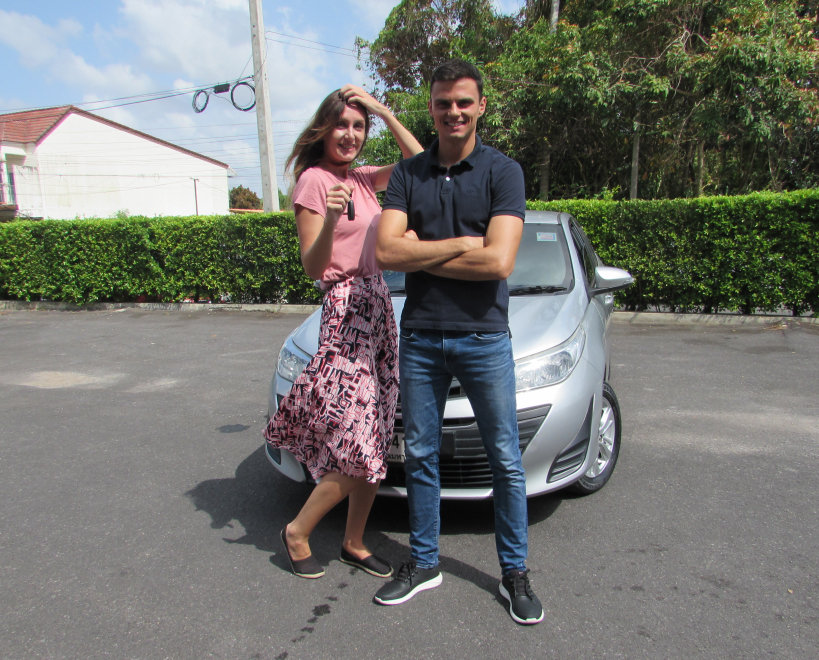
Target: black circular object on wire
{"points": [[196, 107], [242, 83]]}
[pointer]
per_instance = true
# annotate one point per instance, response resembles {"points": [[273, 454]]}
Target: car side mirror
{"points": [[608, 278]]}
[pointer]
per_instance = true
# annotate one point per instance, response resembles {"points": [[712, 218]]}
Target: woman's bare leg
{"points": [[361, 500], [328, 492]]}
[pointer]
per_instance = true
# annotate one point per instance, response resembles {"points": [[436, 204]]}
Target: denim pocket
{"points": [[491, 336]]}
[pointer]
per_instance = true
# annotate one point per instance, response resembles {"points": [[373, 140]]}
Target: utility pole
{"points": [[264, 126]]}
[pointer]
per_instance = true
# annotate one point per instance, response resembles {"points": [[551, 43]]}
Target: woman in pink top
{"points": [[338, 417]]}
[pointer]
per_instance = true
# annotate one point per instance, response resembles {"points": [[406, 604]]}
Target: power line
{"points": [[321, 50], [310, 41], [145, 97], [183, 90], [172, 93], [351, 52], [156, 98]]}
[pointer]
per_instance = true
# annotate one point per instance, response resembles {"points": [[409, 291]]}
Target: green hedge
{"points": [[243, 258], [751, 253], [757, 252]]}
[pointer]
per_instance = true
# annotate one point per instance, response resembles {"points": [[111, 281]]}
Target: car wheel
{"points": [[608, 446]]}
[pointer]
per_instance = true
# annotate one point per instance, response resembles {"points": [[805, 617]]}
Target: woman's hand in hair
{"points": [[406, 141], [355, 94]]}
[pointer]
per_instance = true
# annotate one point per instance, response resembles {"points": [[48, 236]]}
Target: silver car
{"points": [[561, 299]]}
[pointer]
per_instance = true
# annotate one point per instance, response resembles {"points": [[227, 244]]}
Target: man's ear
{"points": [[482, 106]]}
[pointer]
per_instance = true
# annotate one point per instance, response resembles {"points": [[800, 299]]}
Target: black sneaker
{"points": [[524, 606], [409, 581]]}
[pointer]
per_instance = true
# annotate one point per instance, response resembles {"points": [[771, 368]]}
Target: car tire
{"points": [[608, 446]]}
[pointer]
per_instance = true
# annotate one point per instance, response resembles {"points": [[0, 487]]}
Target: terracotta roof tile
{"points": [[31, 125]]}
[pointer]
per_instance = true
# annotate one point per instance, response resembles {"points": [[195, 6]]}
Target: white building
{"points": [[66, 163]]}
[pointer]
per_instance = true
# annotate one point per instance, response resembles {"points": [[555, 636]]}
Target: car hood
{"points": [[537, 322], [540, 322]]}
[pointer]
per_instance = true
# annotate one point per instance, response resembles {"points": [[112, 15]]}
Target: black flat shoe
{"points": [[305, 568], [371, 564]]}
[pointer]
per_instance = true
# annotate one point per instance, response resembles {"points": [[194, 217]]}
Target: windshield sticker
{"points": [[546, 236]]}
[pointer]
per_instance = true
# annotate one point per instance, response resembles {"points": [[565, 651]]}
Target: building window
{"points": [[7, 193]]}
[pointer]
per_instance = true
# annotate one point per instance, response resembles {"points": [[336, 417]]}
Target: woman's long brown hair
{"points": [[309, 147]]}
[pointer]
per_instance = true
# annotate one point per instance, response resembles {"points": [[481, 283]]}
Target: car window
{"points": [[395, 281], [542, 260], [586, 252]]}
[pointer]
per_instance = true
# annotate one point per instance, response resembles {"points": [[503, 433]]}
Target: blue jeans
{"points": [[482, 362]]}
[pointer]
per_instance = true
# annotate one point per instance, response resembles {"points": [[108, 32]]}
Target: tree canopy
{"points": [[623, 98], [244, 198]]}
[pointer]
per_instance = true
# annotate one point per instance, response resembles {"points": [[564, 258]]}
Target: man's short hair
{"points": [[455, 70]]}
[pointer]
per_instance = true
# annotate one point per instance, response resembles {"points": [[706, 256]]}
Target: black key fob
{"points": [[350, 210]]}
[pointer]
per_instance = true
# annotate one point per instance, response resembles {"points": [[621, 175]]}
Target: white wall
{"points": [[87, 169]]}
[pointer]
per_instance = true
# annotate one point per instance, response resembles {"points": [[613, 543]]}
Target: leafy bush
{"points": [[247, 258], [755, 252], [747, 253]]}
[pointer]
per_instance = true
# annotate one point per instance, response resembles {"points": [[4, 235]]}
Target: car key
{"points": [[350, 210]]}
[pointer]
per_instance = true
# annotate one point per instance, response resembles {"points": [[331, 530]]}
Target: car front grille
{"points": [[463, 462]]}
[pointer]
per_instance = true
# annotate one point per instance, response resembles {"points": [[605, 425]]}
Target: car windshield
{"points": [[542, 264], [395, 281]]}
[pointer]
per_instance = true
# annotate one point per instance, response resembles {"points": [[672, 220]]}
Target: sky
{"points": [[119, 58]]}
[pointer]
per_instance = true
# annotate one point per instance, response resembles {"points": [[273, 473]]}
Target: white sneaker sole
{"points": [[429, 584], [515, 617]]}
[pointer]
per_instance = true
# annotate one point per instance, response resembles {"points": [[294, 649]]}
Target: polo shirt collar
{"points": [[469, 161]]}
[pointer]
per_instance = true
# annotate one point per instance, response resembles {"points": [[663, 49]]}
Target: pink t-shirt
{"points": [[354, 240]]}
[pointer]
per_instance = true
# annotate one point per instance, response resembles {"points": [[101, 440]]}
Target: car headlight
{"points": [[550, 367], [290, 364]]}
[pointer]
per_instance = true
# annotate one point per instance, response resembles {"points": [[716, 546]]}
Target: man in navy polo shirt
{"points": [[452, 220]]}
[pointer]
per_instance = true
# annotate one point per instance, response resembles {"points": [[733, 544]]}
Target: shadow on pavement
{"points": [[260, 501]]}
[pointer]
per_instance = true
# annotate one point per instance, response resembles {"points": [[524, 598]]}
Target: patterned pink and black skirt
{"points": [[339, 414]]}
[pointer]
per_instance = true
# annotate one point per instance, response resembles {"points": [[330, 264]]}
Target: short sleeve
{"points": [[508, 189], [396, 196], [310, 192]]}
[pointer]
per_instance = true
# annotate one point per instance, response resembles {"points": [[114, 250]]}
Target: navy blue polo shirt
{"points": [[444, 203]]}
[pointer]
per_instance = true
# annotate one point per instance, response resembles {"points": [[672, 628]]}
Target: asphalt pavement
{"points": [[140, 518]]}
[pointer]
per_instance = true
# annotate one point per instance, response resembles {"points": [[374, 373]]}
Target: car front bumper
{"points": [[558, 440]]}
